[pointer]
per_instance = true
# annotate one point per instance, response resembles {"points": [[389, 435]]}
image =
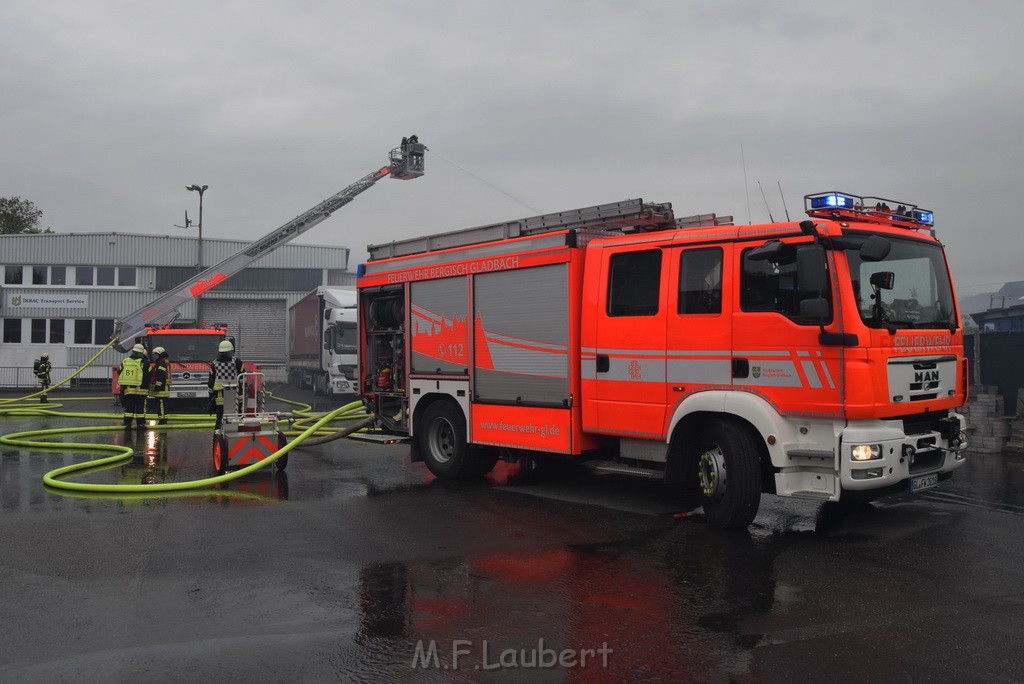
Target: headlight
{"points": [[866, 452]]}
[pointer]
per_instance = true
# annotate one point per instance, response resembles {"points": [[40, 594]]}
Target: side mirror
{"points": [[883, 280], [816, 309], [810, 270], [766, 251], [875, 248], [328, 338]]}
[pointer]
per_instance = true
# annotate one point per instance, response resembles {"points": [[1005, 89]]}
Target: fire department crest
{"points": [[755, 371], [16, 300], [634, 370]]}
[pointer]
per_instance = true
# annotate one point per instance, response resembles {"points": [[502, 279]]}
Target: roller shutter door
{"points": [[259, 326], [521, 321]]}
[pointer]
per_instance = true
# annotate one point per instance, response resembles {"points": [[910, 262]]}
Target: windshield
{"points": [[345, 338], [909, 288], [187, 348]]}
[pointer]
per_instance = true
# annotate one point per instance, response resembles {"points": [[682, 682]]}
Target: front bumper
{"points": [[941, 449]]}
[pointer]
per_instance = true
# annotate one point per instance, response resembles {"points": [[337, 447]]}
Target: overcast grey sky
{"points": [[110, 108]]}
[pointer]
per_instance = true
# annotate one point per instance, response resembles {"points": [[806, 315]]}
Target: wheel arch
{"points": [[692, 416], [419, 408]]}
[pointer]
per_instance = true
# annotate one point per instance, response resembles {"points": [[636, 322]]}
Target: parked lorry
{"points": [[820, 359], [322, 342]]}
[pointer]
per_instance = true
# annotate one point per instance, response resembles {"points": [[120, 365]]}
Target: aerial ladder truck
{"points": [[404, 163]]}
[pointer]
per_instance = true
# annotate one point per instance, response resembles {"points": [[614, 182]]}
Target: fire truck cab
{"points": [[820, 359]]}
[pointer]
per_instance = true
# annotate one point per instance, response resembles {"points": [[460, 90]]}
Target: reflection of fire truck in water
{"points": [[820, 359]]}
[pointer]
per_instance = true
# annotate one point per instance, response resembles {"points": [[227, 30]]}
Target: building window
{"points": [[104, 330], [38, 331], [12, 330], [105, 276], [56, 331], [83, 331], [58, 275], [39, 275], [126, 276], [634, 283], [84, 275], [12, 275]]}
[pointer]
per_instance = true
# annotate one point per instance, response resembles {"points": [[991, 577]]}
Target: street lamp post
{"points": [[200, 189]]}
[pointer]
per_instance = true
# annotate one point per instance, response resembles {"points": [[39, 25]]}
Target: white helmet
{"points": [[225, 346], [139, 349], [44, 355], [159, 351]]}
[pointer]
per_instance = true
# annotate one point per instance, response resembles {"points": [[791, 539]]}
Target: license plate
{"points": [[186, 395], [924, 482]]}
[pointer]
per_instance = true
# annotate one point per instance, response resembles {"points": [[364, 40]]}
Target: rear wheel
{"points": [[442, 440], [728, 474], [220, 454]]}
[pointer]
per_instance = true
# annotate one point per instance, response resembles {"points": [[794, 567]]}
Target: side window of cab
{"points": [[634, 283]]}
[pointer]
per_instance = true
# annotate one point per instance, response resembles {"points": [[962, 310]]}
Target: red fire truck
{"points": [[820, 359], [190, 349]]}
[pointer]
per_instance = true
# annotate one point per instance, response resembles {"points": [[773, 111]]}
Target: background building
{"points": [[61, 293]]}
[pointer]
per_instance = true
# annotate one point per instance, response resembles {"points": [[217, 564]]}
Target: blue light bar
{"points": [[360, 270], [832, 201], [924, 217]]}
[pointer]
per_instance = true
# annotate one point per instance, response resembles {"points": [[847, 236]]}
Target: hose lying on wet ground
{"points": [[54, 479], [319, 431]]}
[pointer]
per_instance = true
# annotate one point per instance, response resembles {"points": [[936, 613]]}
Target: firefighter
{"points": [[42, 368], [224, 372], [133, 377], [160, 383]]}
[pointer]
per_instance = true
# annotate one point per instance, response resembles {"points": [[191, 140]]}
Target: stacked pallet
{"points": [[986, 428], [1015, 444]]}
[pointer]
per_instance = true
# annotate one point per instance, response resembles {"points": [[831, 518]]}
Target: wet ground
{"points": [[355, 565]]}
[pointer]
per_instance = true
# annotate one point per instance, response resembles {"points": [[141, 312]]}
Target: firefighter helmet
{"points": [[44, 355], [225, 346], [139, 349], [160, 351]]}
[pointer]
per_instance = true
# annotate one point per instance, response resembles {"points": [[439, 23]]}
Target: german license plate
{"points": [[924, 482], [186, 395]]}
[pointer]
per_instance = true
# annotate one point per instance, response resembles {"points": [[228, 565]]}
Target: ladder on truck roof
{"points": [[632, 214], [404, 163]]}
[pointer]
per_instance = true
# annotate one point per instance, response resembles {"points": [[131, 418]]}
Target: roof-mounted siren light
{"points": [[853, 207], [407, 159], [831, 200], [922, 216]]}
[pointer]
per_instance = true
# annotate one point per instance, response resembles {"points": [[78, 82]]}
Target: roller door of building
{"points": [[259, 326]]}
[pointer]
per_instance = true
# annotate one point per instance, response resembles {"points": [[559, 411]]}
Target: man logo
{"points": [[756, 371]]}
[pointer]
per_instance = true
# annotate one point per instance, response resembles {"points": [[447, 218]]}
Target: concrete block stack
{"points": [[1015, 443], [986, 428]]}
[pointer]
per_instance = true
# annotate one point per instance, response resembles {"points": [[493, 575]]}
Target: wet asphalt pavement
{"points": [[355, 565]]}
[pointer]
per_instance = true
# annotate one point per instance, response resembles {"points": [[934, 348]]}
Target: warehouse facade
{"points": [[61, 293]]}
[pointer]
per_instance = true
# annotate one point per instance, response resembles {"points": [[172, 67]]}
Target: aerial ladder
{"points": [[404, 162]]}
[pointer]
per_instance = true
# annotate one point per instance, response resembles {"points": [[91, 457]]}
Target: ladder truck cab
{"points": [[820, 359], [190, 349]]}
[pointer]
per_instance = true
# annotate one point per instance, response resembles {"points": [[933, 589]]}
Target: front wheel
{"points": [[220, 454], [728, 474], [442, 440]]}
